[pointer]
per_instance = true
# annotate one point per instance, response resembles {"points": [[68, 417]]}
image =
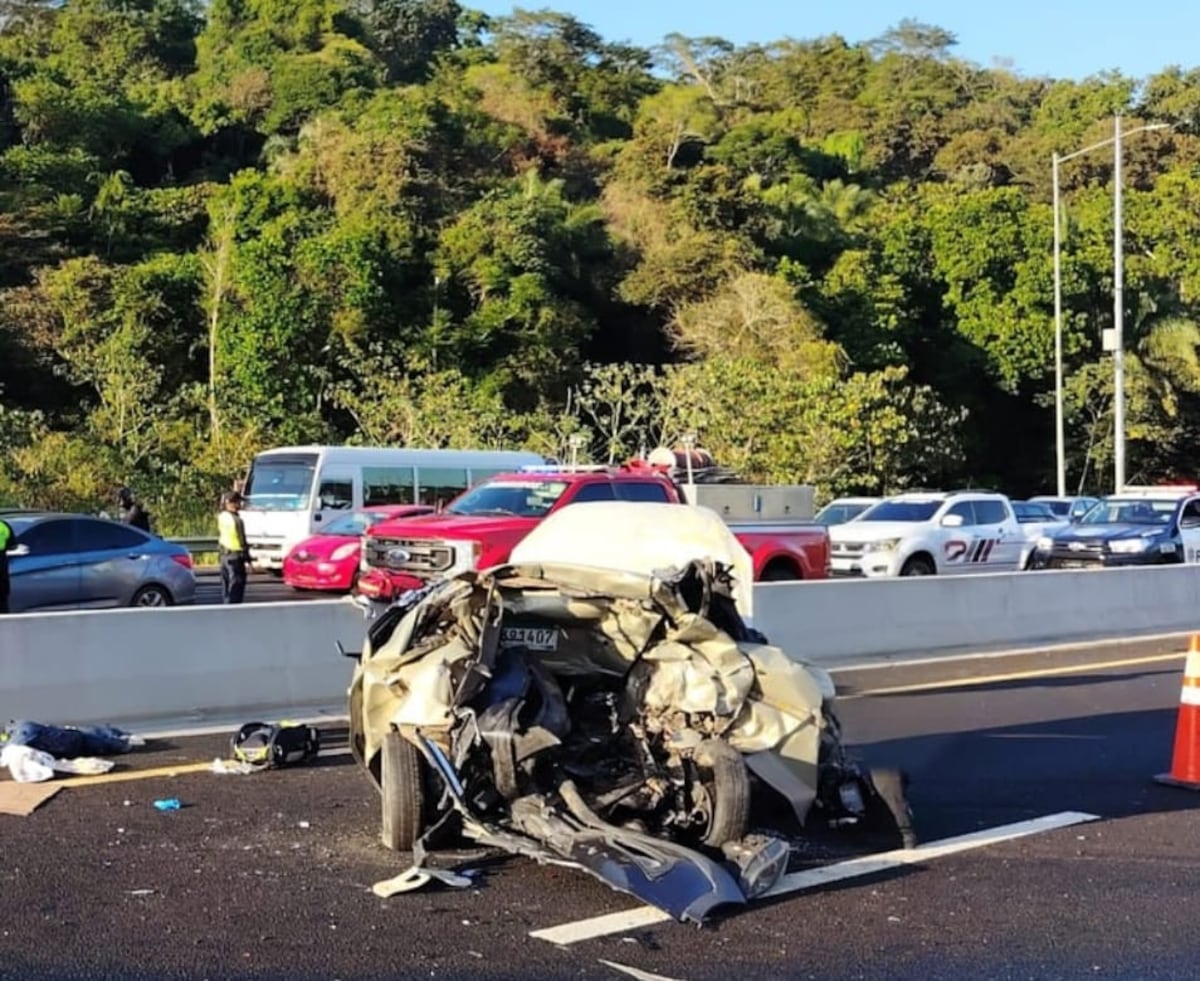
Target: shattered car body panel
{"points": [[603, 719]]}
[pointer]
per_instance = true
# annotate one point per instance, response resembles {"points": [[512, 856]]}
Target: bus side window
{"points": [[438, 485], [388, 485], [335, 494]]}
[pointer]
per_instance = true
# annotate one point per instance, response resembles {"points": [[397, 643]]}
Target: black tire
{"points": [[152, 596], [780, 572], [402, 793], [727, 784], [918, 565]]}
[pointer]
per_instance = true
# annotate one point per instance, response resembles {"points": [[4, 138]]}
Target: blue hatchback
{"points": [[73, 561]]}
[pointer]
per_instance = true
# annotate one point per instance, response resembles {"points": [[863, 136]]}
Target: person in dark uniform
{"points": [[131, 512], [7, 540], [234, 550]]}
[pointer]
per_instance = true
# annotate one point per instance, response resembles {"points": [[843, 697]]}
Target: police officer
{"points": [[6, 542], [235, 552]]}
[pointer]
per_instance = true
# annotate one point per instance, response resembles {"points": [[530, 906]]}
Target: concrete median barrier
{"points": [[843, 621], [222, 662], [178, 663]]}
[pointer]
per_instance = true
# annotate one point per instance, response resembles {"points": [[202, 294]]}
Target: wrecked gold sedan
{"points": [[607, 719]]}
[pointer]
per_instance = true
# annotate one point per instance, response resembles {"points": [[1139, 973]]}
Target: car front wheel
{"points": [[402, 793]]}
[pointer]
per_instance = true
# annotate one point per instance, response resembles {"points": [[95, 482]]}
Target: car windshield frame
{"points": [[512, 496], [1035, 512], [1124, 511], [904, 511]]}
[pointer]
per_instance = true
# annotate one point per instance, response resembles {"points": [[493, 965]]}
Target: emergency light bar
{"points": [[1163, 490]]}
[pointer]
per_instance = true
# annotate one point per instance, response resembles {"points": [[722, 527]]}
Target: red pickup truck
{"points": [[481, 527]]}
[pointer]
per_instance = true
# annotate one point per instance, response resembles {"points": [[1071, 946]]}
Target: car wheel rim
{"points": [[152, 598]]}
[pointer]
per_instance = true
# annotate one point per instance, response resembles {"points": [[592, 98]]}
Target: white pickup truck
{"points": [[931, 533]]}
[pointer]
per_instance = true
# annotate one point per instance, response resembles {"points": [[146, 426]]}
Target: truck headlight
{"points": [[885, 545], [1129, 545]]}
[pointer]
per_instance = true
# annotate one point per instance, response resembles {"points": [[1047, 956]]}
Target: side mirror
{"points": [[952, 521]]}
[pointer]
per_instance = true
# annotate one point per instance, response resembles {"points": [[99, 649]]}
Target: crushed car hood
{"points": [[653, 538]]}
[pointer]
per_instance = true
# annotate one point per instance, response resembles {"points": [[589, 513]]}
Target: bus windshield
{"points": [[280, 483]]}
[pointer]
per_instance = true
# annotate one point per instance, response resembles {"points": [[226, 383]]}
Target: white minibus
{"points": [[292, 491]]}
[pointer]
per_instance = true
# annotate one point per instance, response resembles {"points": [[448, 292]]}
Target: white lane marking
{"points": [[634, 972], [643, 916]]}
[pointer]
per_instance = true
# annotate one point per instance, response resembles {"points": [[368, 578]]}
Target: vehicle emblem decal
{"points": [[954, 549], [396, 555]]}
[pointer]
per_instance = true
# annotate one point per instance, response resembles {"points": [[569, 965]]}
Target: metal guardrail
{"points": [[196, 545]]}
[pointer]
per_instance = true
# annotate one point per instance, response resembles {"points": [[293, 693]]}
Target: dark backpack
{"points": [[269, 745]]}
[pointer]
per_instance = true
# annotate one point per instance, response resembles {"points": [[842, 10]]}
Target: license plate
{"points": [[533, 638]]}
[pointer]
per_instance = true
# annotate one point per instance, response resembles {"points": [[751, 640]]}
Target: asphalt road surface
{"points": [[260, 588], [268, 875]]}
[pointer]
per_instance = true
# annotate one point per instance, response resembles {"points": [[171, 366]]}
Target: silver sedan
{"points": [[73, 561]]}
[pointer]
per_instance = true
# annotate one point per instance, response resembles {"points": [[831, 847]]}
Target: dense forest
{"points": [[243, 223]]}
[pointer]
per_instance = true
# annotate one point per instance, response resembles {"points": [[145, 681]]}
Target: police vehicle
{"points": [[1138, 526], [926, 533]]}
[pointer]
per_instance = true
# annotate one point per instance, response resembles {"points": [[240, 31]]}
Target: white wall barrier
{"points": [[181, 663], [844, 621], [221, 662]]}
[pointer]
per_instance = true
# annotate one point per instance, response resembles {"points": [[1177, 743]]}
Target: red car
{"points": [[329, 561]]}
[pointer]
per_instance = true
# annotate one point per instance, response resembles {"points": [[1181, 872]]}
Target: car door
{"points": [[961, 545], [44, 574], [113, 560], [1189, 529], [335, 495], [999, 528]]}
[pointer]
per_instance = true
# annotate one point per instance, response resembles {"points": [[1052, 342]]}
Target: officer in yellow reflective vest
{"points": [[6, 542], [234, 550]]}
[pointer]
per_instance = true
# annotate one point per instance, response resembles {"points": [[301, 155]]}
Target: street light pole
{"points": [[1118, 336], [1118, 317], [1060, 441]]}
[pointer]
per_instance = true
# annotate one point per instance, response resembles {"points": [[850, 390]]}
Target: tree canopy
{"points": [[239, 223]]}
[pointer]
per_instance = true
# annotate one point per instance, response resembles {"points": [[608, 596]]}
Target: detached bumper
{"points": [[385, 586]]}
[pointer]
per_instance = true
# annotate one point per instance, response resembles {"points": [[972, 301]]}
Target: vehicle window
{"points": [[965, 510], [335, 493], [641, 490], [279, 486], [901, 511], [990, 512], [440, 484], [1190, 516], [49, 538], [388, 485], [1030, 511], [354, 523], [1081, 507], [599, 491], [99, 536], [526, 498], [1132, 511]]}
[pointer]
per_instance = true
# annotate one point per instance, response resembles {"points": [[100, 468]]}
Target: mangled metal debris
{"points": [[607, 720]]}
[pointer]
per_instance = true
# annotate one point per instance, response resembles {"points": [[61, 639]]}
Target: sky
{"points": [[1055, 38]]}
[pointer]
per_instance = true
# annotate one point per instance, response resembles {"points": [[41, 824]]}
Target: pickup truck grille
{"points": [[1077, 550], [409, 555]]}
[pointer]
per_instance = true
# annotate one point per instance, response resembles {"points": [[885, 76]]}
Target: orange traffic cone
{"points": [[1185, 761]]}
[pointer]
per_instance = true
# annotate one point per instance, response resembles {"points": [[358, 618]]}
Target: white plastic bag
{"points": [[29, 765]]}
